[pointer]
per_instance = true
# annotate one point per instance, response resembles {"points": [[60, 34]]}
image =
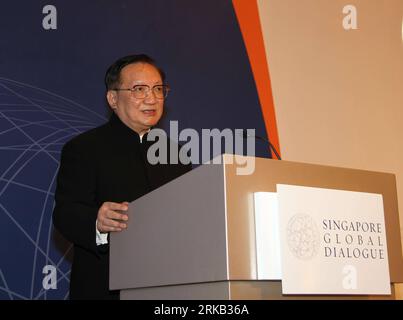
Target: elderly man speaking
{"points": [[105, 168]]}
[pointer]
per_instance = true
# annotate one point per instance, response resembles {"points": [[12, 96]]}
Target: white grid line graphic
{"points": [[40, 110]]}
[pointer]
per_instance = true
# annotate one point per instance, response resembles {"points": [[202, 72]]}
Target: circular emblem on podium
{"points": [[303, 237]]}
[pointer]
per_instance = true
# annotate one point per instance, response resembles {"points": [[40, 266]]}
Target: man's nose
{"points": [[150, 97]]}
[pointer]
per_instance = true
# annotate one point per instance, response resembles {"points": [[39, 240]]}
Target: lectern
{"points": [[194, 238]]}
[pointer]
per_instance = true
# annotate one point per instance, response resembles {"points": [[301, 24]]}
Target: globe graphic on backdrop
{"points": [[34, 125]]}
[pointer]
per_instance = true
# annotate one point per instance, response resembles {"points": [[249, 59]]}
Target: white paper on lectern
{"points": [[323, 248], [267, 236]]}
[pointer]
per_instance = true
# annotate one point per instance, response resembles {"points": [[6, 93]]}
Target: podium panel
{"points": [[231, 290], [175, 234], [194, 238]]}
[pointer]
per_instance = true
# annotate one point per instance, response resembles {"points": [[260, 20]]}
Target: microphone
{"points": [[246, 135]]}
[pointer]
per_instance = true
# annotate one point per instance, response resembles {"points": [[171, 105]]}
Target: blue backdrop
{"points": [[51, 89]]}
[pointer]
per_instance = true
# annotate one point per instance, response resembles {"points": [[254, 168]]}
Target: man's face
{"points": [[137, 114]]}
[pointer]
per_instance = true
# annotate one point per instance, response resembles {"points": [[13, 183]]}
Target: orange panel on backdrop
{"points": [[247, 13]]}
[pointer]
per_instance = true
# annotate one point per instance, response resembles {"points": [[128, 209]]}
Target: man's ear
{"points": [[112, 98]]}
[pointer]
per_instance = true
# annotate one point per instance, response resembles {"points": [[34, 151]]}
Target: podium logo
{"points": [[303, 237]]}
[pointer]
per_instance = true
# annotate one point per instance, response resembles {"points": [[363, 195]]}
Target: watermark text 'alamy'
{"points": [[209, 143]]}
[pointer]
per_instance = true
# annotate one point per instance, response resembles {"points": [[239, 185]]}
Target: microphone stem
{"points": [[271, 147]]}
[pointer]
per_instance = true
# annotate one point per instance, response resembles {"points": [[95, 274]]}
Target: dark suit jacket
{"points": [[107, 163]]}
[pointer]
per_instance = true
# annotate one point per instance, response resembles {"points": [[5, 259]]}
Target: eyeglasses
{"points": [[141, 91]]}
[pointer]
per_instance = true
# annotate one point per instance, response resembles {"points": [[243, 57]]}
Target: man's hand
{"points": [[111, 216]]}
